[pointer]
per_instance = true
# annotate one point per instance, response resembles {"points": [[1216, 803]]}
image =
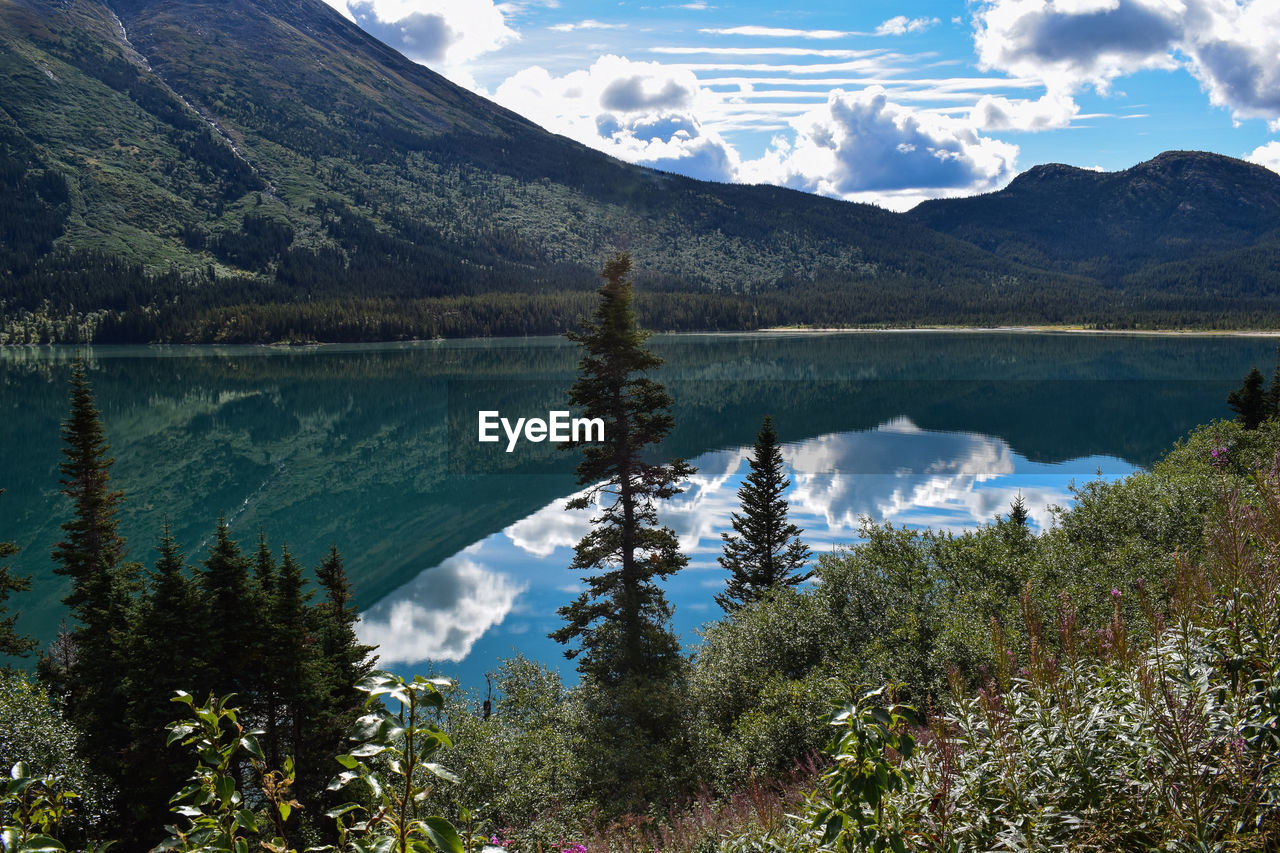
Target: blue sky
{"points": [[885, 102]]}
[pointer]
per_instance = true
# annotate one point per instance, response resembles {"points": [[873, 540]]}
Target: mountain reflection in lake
{"points": [[499, 595]]}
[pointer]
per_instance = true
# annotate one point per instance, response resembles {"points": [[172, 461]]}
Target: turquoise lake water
{"points": [[458, 550]]}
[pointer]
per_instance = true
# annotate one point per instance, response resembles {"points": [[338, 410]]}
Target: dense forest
{"points": [[173, 188], [1106, 683]]}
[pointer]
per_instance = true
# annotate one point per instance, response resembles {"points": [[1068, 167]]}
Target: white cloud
{"points": [[1070, 43], [862, 146], [1266, 155], [641, 112], [1231, 46], [549, 528], [440, 614], [900, 25], [437, 32], [1053, 110], [589, 24], [779, 32]]}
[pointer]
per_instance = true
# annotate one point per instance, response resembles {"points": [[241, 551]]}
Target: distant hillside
{"points": [[260, 170], [1178, 206]]}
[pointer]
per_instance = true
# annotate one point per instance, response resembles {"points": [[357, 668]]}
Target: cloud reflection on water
{"points": [[441, 613], [897, 473]]}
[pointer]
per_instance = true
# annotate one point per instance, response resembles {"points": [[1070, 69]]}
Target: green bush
{"points": [[33, 732]]}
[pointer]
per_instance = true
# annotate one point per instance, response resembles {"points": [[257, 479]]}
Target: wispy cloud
{"points": [[588, 24], [900, 25], [780, 32]]}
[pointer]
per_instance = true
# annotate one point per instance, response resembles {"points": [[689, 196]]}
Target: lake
{"points": [[458, 550]]}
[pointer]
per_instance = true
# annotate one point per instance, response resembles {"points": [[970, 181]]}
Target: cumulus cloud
{"points": [[440, 614], [1053, 110], [948, 480], [641, 112], [1266, 155], [900, 25], [437, 32], [862, 146], [1231, 46]]}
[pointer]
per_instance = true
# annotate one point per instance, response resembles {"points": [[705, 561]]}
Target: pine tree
{"points": [[102, 584], [1018, 511], [293, 663], [231, 608], [1249, 401], [622, 619], [12, 644], [343, 661], [764, 551], [626, 650], [168, 656]]}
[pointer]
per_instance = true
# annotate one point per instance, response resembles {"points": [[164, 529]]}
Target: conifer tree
{"points": [[168, 656], [621, 621], [1249, 401], [231, 609], [12, 644], [764, 551], [626, 650], [338, 616], [343, 661], [102, 583], [292, 665], [1018, 511]]}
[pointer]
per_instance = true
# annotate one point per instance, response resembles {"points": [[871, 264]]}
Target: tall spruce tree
{"points": [[12, 644], [343, 661], [169, 655], [232, 647], [1249, 401], [621, 621], [764, 550], [292, 665], [627, 653], [102, 583]]}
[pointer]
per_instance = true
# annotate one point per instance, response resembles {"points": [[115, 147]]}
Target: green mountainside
{"points": [[261, 170], [1179, 206]]}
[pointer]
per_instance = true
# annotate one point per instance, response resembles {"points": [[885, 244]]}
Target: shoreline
{"points": [[1074, 330]]}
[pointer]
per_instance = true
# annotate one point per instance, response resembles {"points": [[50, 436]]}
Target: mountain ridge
{"points": [[263, 169]]}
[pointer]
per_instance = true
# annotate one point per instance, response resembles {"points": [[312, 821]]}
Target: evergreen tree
{"points": [[621, 620], [292, 665], [232, 618], [627, 653], [168, 656], [102, 584], [764, 551], [12, 644], [1018, 511], [343, 661], [1249, 401]]}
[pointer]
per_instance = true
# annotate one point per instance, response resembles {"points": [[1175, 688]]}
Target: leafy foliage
{"points": [[406, 741]]}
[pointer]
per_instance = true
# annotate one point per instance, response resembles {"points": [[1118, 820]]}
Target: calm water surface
{"points": [[458, 550]]}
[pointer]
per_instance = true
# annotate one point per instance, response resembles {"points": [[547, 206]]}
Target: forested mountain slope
{"points": [[1177, 206], [257, 170]]}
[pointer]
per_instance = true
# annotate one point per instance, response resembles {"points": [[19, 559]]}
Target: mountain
{"points": [[261, 170], [1178, 206]]}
